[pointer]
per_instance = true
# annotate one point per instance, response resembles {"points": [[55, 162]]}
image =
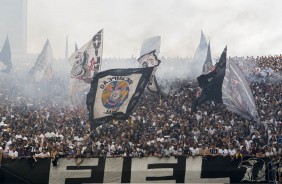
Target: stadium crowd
{"points": [[159, 126]]}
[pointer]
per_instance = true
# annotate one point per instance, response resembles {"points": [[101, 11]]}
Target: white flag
{"points": [[44, 58], [86, 63]]}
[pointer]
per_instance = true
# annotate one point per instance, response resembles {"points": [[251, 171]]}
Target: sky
{"points": [[252, 27]]}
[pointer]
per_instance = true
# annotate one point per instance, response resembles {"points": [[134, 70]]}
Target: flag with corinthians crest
{"points": [[114, 93], [86, 63]]}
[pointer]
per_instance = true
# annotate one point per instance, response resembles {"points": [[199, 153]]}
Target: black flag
{"points": [[211, 83], [227, 85], [5, 56], [114, 93]]}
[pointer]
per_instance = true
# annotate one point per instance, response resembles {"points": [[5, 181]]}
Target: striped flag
{"points": [[237, 94], [44, 58]]}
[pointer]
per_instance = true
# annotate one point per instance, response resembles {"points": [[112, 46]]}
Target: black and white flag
{"points": [[211, 83], [237, 94], [150, 60], [5, 57], [200, 55], [226, 84], [44, 58], [151, 44], [86, 63], [114, 93]]}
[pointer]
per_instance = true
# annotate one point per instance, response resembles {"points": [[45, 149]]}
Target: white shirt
{"points": [[79, 141], [167, 151], [2, 123], [18, 136], [47, 154], [211, 131], [48, 135], [269, 153], [228, 127], [223, 151], [248, 143], [232, 152], [13, 153], [194, 151], [160, 139], [52, 134], [75, 138]]}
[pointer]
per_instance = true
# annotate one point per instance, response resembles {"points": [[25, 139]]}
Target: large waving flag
{"points": [[200, 55], [48, 74], [114, 93], [211, 83], [5, 56], [86, 63], [208, 63], [151, 46], [237, 94], [150, 60], [44, 58], [227, 85]]}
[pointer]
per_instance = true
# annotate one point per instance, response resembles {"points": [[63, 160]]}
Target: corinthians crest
{"points": [[114, 94], [255, 170]]}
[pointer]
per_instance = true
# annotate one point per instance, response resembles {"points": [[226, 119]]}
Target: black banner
{"points": [[20, 171], [252, 170], [178, 170]]}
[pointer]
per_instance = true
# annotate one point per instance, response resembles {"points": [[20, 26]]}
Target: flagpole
{"points": [[102, 41]]}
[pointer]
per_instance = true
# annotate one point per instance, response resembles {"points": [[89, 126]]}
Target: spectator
{"points": [[158, 129], [54, 156], [223, 151], [78, 157], [30, 156], [13, 154], [204, 152], [213, 150]]}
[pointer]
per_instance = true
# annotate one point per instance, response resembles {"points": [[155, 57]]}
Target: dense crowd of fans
{"points": [[160, 125]]}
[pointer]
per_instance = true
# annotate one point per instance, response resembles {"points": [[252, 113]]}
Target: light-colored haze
{"points": [[250, 27]]}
